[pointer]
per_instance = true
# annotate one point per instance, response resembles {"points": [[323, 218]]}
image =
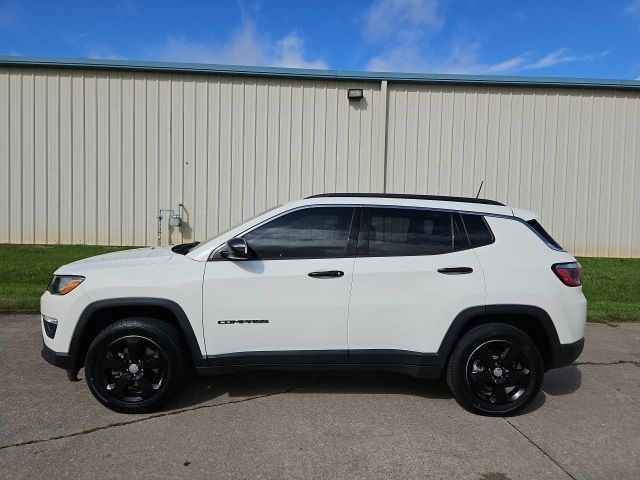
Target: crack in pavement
{"points": [[539, 448], [157, 415], [617, 362]]}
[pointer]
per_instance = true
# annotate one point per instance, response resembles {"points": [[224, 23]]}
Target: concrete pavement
{"points": [[585, 423]]}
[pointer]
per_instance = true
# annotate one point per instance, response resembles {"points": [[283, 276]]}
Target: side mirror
{"points": [[236, 249]]}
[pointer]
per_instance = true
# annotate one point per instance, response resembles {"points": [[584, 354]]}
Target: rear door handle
{"points": [[327, 274], [455, 270]]}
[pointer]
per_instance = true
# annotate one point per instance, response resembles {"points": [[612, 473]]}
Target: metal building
{"points": [[91, 150]]}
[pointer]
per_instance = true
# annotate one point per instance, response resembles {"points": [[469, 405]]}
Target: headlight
{"points": [[63, 284]]}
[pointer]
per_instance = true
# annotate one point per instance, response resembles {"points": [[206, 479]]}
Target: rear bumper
{"points": [[566, 353], [57, 359]]}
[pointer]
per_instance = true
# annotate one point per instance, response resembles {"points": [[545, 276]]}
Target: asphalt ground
{"points": [[584, 424]]}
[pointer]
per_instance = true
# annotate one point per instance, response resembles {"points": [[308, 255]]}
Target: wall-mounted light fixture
{"points": [[354, 94]]}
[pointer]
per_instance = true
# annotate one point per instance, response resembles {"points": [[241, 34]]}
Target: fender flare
{"points": [[467, 315], [183, 321]]}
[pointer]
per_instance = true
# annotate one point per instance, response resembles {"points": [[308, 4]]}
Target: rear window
{"points": [[478, 231], [535, 225]]}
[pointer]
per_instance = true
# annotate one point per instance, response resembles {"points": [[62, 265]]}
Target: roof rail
{"points": [[440, 198]]}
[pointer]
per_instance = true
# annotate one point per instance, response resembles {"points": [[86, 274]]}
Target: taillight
{"points": [[569, 273]]}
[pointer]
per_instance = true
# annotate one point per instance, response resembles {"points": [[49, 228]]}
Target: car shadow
{"points": [[562, 381], [240, 385]]}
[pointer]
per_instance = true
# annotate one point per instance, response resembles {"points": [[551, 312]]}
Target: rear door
{"points": [[414, 272]]}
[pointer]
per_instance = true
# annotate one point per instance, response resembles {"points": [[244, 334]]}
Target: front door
{"points": [[288, 304]]}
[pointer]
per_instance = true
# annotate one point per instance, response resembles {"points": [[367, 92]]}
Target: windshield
{"points": [[204, 244]]}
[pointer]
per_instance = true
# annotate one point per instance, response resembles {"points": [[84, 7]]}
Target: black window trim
{"points": [[349, 248]]}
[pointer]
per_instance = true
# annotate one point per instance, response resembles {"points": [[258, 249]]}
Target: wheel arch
{"points": [[101, 313], [532, 320]]}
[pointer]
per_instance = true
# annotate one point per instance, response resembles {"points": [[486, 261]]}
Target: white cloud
{"points": [[464, 59], [246, 47], [564, 55], [633, 8], [404, 18]]}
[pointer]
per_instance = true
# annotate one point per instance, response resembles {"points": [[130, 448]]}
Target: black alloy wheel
{"points": [[495, 369], [498, 372], [133, 368], [135, 364]]}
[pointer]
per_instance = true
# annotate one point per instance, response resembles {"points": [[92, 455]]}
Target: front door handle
{"points": [[327, 274], [455, 270]]}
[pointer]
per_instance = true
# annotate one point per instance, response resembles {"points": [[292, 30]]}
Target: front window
{"points": [[316, 232]]}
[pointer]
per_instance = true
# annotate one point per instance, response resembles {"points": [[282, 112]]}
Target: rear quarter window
{"points": [[478, 230], [535, 225]]}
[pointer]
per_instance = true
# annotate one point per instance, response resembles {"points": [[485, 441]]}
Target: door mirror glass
{"points": [[236, 249]]}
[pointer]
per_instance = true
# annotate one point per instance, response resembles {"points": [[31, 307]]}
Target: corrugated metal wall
{"points": [[571, 155], [89, 156]]}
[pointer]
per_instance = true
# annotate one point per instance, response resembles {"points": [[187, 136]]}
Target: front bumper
{"points": [[57, 359], [564, 354]]}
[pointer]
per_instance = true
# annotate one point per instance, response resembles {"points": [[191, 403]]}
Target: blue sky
{"points": [[568, 38]]}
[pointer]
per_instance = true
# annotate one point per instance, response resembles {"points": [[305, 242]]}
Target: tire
{"points": [[135, 365], [495, 370]]}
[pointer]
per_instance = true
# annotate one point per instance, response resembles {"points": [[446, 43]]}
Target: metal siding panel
{"points": [[272, 142], [177, 151], [298, 137], [153, 152], [116, 206], [140, 159], [331, 138], [308, 132], [5, 180], [28, 158], [319, 140], [224, 185], [90, 154], [66, 142], [198, 200], [128, 159], [15, 157], [77, 157], [237, 151], [40, 155], [261, 135], [103, 173], [213, 157], [53, 158], [164, 149], [249, 150]]}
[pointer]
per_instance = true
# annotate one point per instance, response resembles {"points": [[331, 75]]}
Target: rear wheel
{"points": [[495, 369], [135, 364]]}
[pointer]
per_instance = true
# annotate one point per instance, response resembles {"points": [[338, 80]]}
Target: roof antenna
{"points": [[478, 194]]}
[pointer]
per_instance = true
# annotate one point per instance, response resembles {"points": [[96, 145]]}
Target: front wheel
{"points": [[135, 364], [495, 369]]}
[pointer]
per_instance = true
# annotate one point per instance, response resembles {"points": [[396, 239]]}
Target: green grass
{"points": [[612, 288], [25, 271], [611, 285]]}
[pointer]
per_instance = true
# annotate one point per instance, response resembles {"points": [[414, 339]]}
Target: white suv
{"points": [[429, 286]]}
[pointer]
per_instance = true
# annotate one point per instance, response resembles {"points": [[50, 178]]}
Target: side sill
{"points": [[417, 371]]}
